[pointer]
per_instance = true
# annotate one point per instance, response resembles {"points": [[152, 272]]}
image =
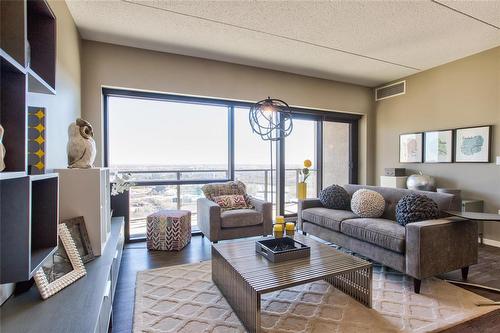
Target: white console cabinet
{"points": [[86, 192]]}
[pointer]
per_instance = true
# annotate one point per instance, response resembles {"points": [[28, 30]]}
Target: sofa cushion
{"points": [[213, 190], [240, 218], [384, 233], [328, 218]]}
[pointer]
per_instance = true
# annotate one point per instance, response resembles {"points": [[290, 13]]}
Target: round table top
{"points": [[475, 216]]}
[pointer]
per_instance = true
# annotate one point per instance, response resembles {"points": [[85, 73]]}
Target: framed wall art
{"points": [[473, 144], [410, 148], [50, 283], [438, 146], [78, 231]]}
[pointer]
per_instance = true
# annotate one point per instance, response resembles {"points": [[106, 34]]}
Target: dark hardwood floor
{"points": [[137, 258]]}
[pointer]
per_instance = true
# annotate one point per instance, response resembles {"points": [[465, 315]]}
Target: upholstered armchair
{"points": [[218, 224]]}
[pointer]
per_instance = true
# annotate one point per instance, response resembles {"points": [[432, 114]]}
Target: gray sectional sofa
{"points": [[420, 249]]}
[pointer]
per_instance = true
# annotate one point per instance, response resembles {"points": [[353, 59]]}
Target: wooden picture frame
{"points": [[439, 146], [473, 144], [78, 231], [411, 147], [46, 288]]}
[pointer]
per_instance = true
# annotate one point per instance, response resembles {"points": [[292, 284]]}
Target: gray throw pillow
{"points": [[415, 207], [335, 197]]}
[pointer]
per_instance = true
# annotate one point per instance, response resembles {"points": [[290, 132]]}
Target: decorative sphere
{"points": [[421, 182]]}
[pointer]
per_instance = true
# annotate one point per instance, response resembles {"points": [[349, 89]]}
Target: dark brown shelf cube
{"points": [[28, 224], [15, 229], [13, 30], [41, 32], [13, 116], [44, 218]]}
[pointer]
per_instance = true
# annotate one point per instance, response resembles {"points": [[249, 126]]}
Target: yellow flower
{"points": [[307, 163]]}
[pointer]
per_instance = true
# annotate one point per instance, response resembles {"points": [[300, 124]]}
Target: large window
{"points": [[172, 145]]}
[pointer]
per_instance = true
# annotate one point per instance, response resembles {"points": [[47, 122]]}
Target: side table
{"points": [[479, 217]]}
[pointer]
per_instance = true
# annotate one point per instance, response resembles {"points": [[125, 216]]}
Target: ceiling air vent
{"points": [[390, 90]]}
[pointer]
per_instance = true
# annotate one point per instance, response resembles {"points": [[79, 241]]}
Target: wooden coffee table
{"points": [[243, 276]]}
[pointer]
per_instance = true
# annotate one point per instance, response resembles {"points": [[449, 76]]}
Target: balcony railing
{"points": [[179, 189]]}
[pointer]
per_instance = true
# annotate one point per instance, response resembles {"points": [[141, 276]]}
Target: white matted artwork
{"points": [[438, 146], [47, 285], [472, 144], [410, 148]]}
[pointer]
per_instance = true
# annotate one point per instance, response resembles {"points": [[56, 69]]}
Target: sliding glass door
{"points": [[336, 153], [300, 145]]}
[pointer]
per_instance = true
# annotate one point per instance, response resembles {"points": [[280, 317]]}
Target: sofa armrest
{"points": [[439, 246], [266, 208], [209, 219], [305, 204]]}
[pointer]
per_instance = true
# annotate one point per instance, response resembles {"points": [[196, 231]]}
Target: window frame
{"points": [[319, 116]]}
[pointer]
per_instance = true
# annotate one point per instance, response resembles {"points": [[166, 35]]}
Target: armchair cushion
{"points": [[240, 218]]}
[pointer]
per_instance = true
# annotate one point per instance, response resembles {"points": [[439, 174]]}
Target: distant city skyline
{"points": [[163, 134]]}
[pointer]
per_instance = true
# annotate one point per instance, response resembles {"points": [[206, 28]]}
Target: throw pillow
{"points": [[416, 207], [228, 188], [367, 203], [233, 201], [335, 197]]}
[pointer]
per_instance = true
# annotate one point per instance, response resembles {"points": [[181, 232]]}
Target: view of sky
{"points": [[161, 133]]}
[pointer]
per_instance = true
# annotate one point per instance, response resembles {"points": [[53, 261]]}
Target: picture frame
{"points": [[473, 144], [78, 231], [49, 288], [411, 147], [438, 146]]}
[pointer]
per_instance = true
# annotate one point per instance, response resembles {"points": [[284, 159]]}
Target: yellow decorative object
{"points": [[39, 153], [39, 140], [39, 165], [280, 219], [307, 163], [278, 230], [39, 114], [301, 190], [39, 127], [290, 229]]}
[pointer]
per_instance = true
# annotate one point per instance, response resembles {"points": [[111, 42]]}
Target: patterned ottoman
{"points": [[168, 230]]}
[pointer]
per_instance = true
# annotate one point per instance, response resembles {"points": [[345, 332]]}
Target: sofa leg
{"points": [[465, 272], [215, 242], [304, 233], [416, 285], [202, 235]]}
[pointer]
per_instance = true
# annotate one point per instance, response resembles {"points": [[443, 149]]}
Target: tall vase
{"points": [[301, 190]]}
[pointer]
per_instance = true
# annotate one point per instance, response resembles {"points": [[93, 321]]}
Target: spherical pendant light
{"points": [[271, 119]]}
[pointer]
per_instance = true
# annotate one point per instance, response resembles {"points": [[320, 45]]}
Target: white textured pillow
{"points": [[367, 203]]}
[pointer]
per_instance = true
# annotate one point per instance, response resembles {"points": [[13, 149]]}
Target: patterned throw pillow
{"points": [[367, 203], [335, 197], [228, 188], [232, 201], [415, 207]]}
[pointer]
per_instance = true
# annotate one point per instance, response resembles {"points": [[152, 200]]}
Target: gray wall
{"points": [[126, 67], [459, 94]]}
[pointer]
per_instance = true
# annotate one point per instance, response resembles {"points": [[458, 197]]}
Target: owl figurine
{"points": [[81, 145]]}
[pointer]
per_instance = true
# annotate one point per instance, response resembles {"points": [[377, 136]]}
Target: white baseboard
{"points": [[491, 242]]}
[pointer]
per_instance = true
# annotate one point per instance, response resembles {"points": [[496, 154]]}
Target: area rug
{"points": [[184, 299]]}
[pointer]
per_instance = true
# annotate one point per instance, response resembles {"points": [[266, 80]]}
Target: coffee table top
{"points": [[265, 276]]}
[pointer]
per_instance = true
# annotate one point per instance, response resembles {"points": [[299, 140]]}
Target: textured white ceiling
{"points": [[363, 42]]}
